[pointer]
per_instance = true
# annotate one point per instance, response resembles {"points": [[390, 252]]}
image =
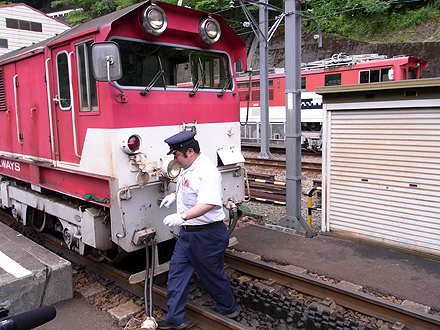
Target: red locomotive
{"points": [[340, 69], [84, 116]]}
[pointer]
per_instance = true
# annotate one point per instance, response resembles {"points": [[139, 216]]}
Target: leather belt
{"points": [[201, 227]]}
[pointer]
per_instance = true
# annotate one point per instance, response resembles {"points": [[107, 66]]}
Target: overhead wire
{"points": [[337, 11]]}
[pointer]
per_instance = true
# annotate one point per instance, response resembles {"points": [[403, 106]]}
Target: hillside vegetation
{"points": [[363, 20], [377, 21]]}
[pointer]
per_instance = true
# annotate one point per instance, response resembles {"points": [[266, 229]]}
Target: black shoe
{"points": [[166, 325], [230, 315]]}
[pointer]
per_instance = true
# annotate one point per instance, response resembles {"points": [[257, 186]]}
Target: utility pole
{"points": [[293, 218], [264, 80], [292, 16], [261, 33]]}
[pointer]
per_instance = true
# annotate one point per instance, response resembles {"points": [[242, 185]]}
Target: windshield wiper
{"points": [[153, 81], [225, 87], [199, 81]]}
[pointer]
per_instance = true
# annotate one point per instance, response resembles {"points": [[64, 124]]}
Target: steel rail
{"points": [[356, 301], [265, 162]]}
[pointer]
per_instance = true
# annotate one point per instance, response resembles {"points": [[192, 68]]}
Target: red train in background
{"points": [[84, 116], [340, 69]]}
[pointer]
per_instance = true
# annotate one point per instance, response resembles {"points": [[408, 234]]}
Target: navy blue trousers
{"points": [[201, 251]]}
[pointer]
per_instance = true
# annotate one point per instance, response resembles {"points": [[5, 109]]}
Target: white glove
{"points": [[168, 200], [173, 220]]}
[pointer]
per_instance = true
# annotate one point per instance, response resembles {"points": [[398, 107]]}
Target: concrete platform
{"points": [[412, 278], [78, 314], [30, 276]]}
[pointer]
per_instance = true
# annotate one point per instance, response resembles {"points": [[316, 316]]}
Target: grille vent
{"points": [[2, 93]]}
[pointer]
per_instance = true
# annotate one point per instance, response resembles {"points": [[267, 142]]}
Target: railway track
{"points": [[269, 191], [400, 317], [264, 188], [306, 166], [199, 316], [328, 297], [202, 318], [279, 150]]}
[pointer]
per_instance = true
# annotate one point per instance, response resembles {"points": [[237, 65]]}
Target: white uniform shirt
{"points": [[201, 183]]}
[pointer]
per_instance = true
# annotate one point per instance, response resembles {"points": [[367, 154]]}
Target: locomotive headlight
{"points": [[154, 20], [209, 30], [131, 144], [171, 168]]}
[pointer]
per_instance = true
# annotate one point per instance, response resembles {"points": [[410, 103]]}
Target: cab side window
{"points": [[63, 81], [88, 98]]}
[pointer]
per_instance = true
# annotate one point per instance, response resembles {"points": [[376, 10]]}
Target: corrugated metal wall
{"points": [[383, 170]]}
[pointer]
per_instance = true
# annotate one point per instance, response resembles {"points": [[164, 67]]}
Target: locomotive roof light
{"points": [[131, 144], [209, 30], [154, 20], [170, 168]]}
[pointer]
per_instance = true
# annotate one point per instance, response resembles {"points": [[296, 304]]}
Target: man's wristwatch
{"points": [[183, 215]]}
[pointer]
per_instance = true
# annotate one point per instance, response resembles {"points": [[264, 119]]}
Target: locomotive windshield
{"points": [[155, 65]]}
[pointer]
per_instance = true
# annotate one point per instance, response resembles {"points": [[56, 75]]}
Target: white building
{"points": [[22, 25], [61, 15]]}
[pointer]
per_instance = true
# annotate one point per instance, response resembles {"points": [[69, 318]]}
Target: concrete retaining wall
{"points": [[334, 45]]}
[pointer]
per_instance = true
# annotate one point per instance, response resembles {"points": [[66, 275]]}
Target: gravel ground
{"points": [[267, 213]]}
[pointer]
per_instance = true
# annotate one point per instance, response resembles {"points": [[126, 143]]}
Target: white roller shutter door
{"points": [[383, 175]]}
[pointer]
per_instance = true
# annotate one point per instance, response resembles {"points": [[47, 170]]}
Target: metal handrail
{"points": [[49, 106], [75, 141], [16, 109]]}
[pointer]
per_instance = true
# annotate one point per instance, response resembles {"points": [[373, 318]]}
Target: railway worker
{"points": [[203, 237]]}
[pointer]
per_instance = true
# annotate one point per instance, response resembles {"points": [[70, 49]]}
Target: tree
{"points": [[87, 10], [42, 5]]}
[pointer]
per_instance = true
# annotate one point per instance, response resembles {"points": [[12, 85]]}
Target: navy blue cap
{"points": [[180, 140]]}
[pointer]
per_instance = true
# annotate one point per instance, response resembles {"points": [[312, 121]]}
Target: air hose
{"points": [[149, 323]]}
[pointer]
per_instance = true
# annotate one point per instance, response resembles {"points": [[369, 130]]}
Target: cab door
{"points": [[66, 112], [30, 107]]}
